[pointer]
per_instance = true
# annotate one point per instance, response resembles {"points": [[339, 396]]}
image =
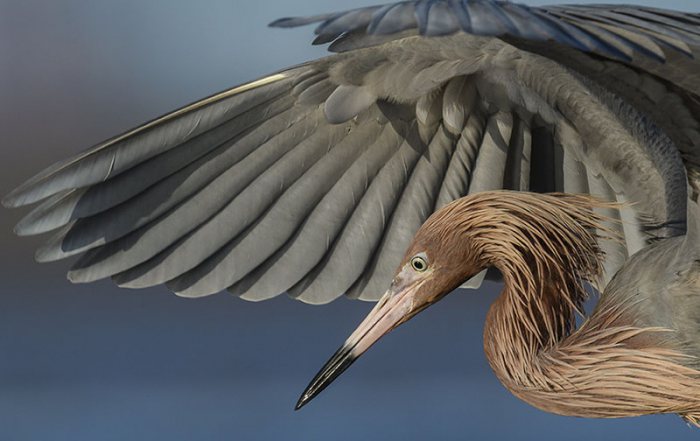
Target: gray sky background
{"points": [[95, 362]]}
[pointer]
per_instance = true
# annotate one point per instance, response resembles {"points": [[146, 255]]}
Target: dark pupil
{"points": [[419, 264]]}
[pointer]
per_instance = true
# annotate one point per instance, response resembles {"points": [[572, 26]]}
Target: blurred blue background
{"points": [[93, 362]]}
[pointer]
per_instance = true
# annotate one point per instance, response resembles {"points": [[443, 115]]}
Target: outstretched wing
{"points": [[313, 181]]}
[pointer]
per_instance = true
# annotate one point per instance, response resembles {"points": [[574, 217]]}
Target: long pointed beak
{"points": [[393, 309]]}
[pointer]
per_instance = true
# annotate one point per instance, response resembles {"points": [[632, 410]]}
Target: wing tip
{"points": [[15, 198], [77, 276], [26, 227], [182, 287], [284, 22], [127, 283], [311, 294], [295, 22], [314, 300], [40, 222], [45, 254], [192, 293], [42, 185], [249, 296]]}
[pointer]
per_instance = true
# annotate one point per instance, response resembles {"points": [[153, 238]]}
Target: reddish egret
{"points": [[314, 181], [638, 353]]}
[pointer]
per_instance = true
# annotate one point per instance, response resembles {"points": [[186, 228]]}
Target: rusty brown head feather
{"points": [[546, 247]]}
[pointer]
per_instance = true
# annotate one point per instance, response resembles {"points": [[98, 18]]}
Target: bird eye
{"points": [[419, 264]]}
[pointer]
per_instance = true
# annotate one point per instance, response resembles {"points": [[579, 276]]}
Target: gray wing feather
{"points": [[439, 19], [575, 175], [353, 250], [459, 170], [126, 185], [416, 204], [517, 171], [669, 19], [396, 18], [525, 157], [614, 249], [208, 188], [170, 193], [346, 102], [581, 27], [316, 93], [280, 221], [663, 35], [634, 236], [322, 227], [313, 181], [123, 152], [54, 212], [576, 180], [458, 103], [490, 167], [307, 80], [236, 200]]}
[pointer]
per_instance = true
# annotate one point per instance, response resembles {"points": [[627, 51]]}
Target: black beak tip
{"points": [[303, 400], [306, 397], [340, 361]]}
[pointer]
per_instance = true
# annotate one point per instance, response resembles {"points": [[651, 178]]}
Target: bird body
{"points": [[322, 179]]}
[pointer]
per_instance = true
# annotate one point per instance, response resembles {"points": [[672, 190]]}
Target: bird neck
{"points": [[545, 247], [519, 330], [536, 310], [607, 368]]}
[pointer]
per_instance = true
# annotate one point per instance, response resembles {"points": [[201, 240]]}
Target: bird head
{"points": [[439, 260]]}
